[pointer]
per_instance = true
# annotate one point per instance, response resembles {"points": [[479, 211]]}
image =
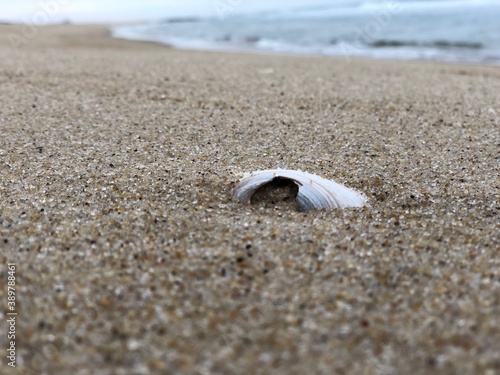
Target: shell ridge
{"points": [[315, 192]]}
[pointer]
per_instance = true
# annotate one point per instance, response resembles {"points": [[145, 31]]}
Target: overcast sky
{"points": [[132, 10]]}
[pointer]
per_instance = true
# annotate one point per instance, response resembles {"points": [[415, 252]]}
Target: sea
{"points": [[465, 31]]}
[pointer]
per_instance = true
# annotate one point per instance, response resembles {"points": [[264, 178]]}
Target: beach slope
{"points": [[117, 161]]}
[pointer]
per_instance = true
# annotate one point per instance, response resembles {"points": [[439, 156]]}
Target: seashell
{"points": [[314, 192]]}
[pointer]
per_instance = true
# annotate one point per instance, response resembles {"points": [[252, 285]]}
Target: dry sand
{"points": [[117, 161]]}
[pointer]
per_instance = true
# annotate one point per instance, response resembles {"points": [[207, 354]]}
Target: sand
{"points": [[117, 161]]}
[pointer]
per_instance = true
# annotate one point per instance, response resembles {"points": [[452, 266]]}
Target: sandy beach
{"points": [[117, 161]]}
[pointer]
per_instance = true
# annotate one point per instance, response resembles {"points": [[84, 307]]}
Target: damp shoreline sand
{"points": [[117, 164]]}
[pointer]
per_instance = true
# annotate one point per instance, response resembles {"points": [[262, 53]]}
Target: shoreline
{"points": [[117, 164], [248, 49], [106, 30]]}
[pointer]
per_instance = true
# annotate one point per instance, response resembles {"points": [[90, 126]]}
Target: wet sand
{"points": [[117, 161]]}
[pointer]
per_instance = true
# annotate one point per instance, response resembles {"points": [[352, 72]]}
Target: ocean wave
{"points": [[360, 7], [383, 43], [180, 20], [464, 35]]}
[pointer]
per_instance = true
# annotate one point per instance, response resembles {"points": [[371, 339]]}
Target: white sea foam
{"points": [[456, 31]]}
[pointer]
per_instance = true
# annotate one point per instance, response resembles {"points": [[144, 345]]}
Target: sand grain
{"points": [[117, 161]]}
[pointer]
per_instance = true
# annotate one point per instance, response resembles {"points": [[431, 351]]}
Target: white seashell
{"points": [[315, 192]]}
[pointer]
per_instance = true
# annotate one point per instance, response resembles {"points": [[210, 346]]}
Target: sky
{"points": [[84, 11]]}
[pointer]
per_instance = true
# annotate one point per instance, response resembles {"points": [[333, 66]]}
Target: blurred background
{"points": [[444, 30]]}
